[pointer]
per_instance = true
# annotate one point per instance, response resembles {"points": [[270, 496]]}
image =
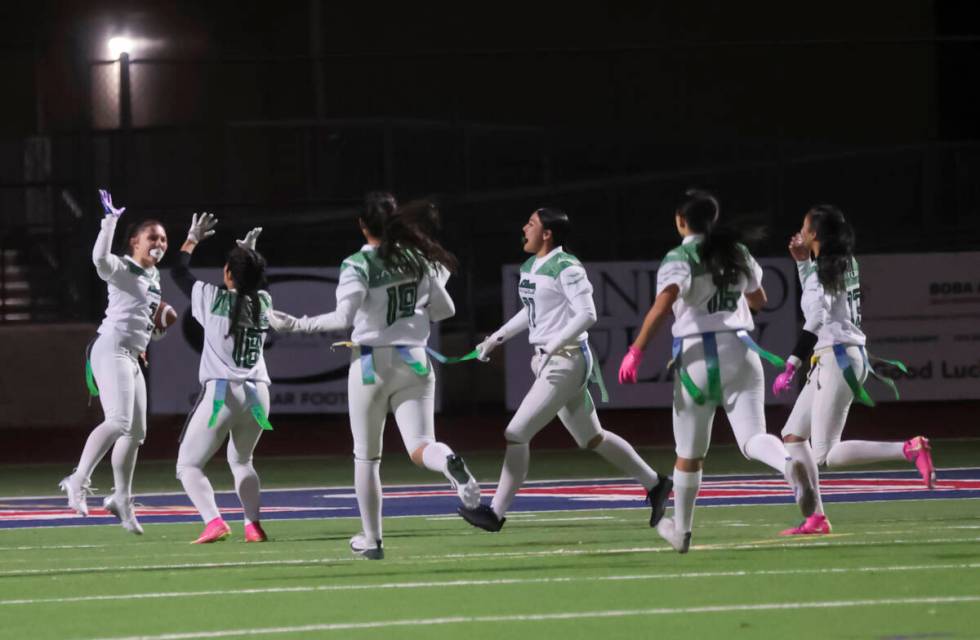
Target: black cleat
{"points": [[483, 517], [658, 499]]}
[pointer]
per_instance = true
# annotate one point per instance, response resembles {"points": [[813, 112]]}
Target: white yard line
{"points": [[455, 557], [544, 617], [495, 582]]}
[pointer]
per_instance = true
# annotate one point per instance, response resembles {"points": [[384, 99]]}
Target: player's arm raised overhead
{"points": [[202, 227], [106, 264]]}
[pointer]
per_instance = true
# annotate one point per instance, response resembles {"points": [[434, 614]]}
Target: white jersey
{"points": [[393, 308], [834, 318], [237, 357], [134, 292], [700, 307], [552, 287]]}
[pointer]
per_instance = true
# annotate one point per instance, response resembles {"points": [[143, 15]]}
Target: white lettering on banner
{"points": [[624, 292], [308, 376], [924, 309]]}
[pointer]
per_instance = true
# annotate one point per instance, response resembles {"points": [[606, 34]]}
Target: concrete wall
{"points": [[42, 376]]}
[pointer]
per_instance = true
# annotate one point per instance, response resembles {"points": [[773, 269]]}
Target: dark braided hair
{"points": [[247, 268], [836, 238], [406, 234], [721, 251]]}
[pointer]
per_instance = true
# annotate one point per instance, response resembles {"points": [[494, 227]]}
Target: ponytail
{"points": [[722, 251], [247, 269], [407, 244], [836, 238]]}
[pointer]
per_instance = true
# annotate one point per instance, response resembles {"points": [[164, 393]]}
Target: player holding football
{"points": [[831, 302], [134, 296], [234, 397], [557, 311], [710, 282], [390, 291]]}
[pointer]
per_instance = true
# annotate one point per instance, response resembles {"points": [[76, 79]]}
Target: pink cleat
{"points": [[254, 533], [215, 531], [817, 524], [917, 451]]}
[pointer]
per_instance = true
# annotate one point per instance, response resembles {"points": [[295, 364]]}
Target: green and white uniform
{"points": [[233, 372], [557, 310], [390, 370], [134, 295], [821, 409], [702, 310]]}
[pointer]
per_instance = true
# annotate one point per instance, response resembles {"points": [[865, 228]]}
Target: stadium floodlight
{"points": [[119, 45]]}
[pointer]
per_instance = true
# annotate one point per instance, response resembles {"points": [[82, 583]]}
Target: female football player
{"points": [[557, 310], [390, 291], [134, 295], [234, 398], [831, 302], [710, 282]]}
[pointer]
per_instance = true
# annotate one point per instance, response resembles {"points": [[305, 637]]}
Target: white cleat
{"points": [[361, 546], [123, 509], [681, 542], [77, 494], [462, 481], [803, 491]]}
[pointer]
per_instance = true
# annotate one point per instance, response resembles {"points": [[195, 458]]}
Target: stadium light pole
{"points": [[120, 47]]}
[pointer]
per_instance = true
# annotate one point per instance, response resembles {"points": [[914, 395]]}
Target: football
{"points": [[164, 317]]}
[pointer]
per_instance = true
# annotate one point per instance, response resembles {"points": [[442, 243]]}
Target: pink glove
{"points": [[784, 379], [629, 366]]}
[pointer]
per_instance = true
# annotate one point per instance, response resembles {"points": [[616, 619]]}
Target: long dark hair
{"points": [[721, 251], [136, 228], [556, 221], [247, 269], [406, 234], [836, 238]]}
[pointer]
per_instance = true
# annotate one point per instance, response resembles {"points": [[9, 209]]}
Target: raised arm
{"points": [[105, 262]]}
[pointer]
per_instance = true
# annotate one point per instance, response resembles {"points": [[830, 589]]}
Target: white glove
{"points": [[282, 322], [201, 228], [110, 210], [250, 238], [490, 343]]}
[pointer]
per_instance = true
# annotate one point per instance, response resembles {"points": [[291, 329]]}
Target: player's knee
{"points": [[417, 453], [514, 436], [594, 442], [689, 465]]}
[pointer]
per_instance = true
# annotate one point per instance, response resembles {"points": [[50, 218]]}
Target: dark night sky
{"points": [[845, 71]]}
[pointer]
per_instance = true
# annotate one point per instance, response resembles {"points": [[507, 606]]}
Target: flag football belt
{"points": [[93, 387], [850, 377], [252, 402], [711, 360], [593, 373], [366, 358]]}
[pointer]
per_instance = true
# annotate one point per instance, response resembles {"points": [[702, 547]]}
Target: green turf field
{"points": [[903, 569]]}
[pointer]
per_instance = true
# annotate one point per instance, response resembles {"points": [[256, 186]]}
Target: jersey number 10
{"points": [[401, 301]]}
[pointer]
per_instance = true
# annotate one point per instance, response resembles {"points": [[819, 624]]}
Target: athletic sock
{"points": [[97, 445], [517, 458], [434, 457], [199, 490], [854, 452], [624, 457], [249, 490], [367, 485], [686, 485], [767, 449], [802, 452], [123, 464]]}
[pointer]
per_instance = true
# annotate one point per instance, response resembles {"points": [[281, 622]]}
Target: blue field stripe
{"points": [[537, 496]]}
